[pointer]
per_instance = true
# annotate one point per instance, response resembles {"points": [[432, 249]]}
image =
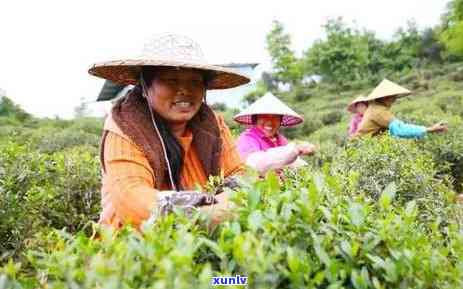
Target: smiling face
{"points": [[269, 123], [177, 94]]}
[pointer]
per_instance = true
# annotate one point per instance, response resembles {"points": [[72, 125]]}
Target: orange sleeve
{"points": [[230, 161], [129, 180]]}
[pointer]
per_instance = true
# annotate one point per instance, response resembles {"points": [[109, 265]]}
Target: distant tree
{"points": [[452, 27], [351, 57], [260, 89], [415, 46], [344, 55], [287, 67], [269, 81], [430, 47], [11, 110], [219, 106], [409, 39]]}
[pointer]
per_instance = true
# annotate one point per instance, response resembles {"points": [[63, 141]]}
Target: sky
{"points": [[46, 47]]}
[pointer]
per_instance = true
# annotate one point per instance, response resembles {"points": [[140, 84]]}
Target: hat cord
{"points": [[145, 93]]}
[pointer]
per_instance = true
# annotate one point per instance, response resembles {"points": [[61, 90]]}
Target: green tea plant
{"points": [[370, 165], [42, 191], [303, 233]]}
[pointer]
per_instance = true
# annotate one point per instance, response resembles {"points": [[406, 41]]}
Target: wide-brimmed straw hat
{"points": [[168, 51], [269, 104], [351, 106], [387, 88]]}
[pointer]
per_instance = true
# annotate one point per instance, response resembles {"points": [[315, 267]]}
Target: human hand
{"points": [[220, 211], [438, 127], [184, 200], [306, 148], [222, 200]]}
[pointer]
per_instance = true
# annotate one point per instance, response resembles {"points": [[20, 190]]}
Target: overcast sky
{"points": [[46, 47]]}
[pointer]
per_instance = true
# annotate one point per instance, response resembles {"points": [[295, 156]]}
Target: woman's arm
{"points": [[398, 128], [274, 158], [128, 181]]}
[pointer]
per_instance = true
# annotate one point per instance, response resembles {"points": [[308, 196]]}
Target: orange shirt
{"points": [[128, 189]]}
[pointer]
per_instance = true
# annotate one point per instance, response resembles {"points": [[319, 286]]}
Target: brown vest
{"points": [[131, 114]]}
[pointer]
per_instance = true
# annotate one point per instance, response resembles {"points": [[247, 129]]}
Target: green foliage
{"points": [[375, 213], [260, 89], [331, 117], [42, 191], [353, 58], [50, 136], [8, 109], [430, 47], [345, 54], [452, 32], [349, 57], [378, 162], [286, 65], [304, 233], [219, 106], [447, 153]]}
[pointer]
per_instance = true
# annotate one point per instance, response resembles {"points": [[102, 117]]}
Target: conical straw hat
{"points": [[168, 51], [360, 98], [387, 88], [269, 104]]}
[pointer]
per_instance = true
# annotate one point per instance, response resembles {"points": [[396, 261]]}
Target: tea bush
{"points": [[447, 152], [63, 139], [41, 191], [304, 233], [373, 164], [379, 214], [332, 117]]}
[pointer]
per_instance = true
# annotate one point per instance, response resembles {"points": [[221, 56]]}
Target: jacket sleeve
{"points": [[398, 128], [129, 189], [274, 158]]}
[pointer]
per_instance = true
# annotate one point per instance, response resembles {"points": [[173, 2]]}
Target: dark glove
{"points": [[230, 182], [184, 200]]}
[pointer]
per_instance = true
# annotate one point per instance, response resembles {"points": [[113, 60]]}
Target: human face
{"points": [[361, 107], [176, 94], [269, 124], [389, 100]]}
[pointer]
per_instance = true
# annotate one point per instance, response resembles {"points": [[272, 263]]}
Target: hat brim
{"points": [[351, 106], [286, 120], [127, 72], [398, 95]]}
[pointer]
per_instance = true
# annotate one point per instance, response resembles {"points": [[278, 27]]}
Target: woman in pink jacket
{"points": [[262, 146], [357, 107]]}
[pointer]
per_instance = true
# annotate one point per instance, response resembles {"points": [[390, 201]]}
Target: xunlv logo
{"points": [[236, 280]]}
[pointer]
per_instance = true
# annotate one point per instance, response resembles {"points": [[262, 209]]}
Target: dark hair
{"points": [[173, 148]]}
